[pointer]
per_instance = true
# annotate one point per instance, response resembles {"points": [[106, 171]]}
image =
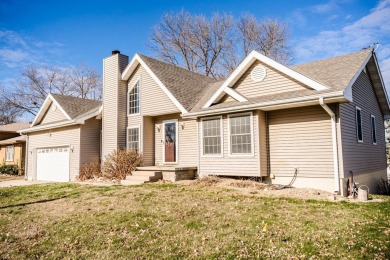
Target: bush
{"points": [[384, 187], [121, 163], [89, 171], [9, 169]]}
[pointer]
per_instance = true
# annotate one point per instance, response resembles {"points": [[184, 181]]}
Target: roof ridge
{"points": [[178, 67], [69, 96], [329, 58]]}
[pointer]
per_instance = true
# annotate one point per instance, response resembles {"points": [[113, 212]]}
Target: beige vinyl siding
{"points": [[300, 138], [275, 82], [187, 142], [362, 158], [90, 141], [229, 165], [148, 140], [263, 143], [53, 116], [114, 126], [153, 100], [65, 136]]}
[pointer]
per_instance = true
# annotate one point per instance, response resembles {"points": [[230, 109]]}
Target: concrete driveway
{"points": [[16, 183]]}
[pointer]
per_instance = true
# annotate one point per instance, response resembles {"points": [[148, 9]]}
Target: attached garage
{"points": [[53, 164], [64, 135]]}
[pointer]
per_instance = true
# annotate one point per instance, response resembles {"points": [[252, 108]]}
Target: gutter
{"points": [[334, 142]]}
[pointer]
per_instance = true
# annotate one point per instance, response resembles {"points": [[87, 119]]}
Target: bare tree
{"points": [[27, 93], [215, 46], [8, 113]]}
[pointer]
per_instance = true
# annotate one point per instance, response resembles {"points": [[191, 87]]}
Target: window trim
{"points": [[221, 135], [372, 132], [139, 97], [357, 124], [252, 137], [139, 137], [13, 153]]}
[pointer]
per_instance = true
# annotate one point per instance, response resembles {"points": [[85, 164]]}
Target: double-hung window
{"points": [[133, 99], [373, 129], [133, 139], [359, 127], [9, 153], [212, 136], [241, 136]]}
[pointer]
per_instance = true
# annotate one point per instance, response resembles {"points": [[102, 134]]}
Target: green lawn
{"points": [[184, 221]]}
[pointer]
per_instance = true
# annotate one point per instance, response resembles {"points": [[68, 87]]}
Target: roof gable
{"points": [[247, 63], [70, 107], [182, 86]]}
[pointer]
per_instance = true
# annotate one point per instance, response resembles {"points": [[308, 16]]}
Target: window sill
{"points": [[130, 115]]}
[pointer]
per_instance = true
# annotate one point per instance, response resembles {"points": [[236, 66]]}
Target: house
{"points": [[308, 125], [12, 145], [64, 134]]}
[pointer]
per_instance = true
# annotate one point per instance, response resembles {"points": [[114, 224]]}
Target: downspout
{"points": [[334, 141]]}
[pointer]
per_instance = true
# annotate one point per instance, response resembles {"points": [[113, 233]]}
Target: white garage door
{"points": [[53, 164]]}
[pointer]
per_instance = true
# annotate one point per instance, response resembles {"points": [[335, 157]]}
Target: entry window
{"points": [[133, 99], [373, 129], [133, 139], [212, 136], [359, 128], [240, 134], [9, 153]]}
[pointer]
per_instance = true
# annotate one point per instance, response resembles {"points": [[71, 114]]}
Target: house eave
{"points": [[273, 105]]}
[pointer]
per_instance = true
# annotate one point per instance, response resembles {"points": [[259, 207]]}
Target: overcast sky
{"points": [[67, 33]]}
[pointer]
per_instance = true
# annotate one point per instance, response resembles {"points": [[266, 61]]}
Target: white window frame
{"points": [[138, 81], [139, 137], [373, 130], [357, 124], [252, 138], [221, 135], [6, 153]]}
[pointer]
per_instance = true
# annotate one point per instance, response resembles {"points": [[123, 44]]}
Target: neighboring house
{"points": [[64, 135], [309, 125], [12, 145]]}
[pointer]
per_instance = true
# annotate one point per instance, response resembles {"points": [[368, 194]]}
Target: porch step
{"points": [[141, 177]]}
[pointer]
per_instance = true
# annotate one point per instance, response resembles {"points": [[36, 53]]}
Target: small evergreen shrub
{"points": [[121, 163], [9, 169]]}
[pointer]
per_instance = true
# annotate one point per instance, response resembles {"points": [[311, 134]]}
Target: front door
{"points": [[170, 141]]}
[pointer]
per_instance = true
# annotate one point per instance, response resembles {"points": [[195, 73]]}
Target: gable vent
{"points": [[258, 73]]}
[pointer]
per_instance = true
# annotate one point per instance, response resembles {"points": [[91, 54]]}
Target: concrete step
{"points": [[142, 178], [147, 173], [131, 182]]}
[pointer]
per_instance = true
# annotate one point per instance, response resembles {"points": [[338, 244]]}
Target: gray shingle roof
{"points": [[76, 107], [186, 86], [14, 127], [335, 72], [17, 139]]}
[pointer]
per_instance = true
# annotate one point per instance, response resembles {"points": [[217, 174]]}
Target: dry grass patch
{"points": [[184, 221]]}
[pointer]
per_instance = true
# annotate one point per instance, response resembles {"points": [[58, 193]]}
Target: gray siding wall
{"points": [[114, 96], [300, 138], [229, 165], [52, 116], [65, 136], [362, 158], [90, 141]]}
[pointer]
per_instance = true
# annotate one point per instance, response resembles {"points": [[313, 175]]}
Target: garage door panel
{"points": [[53, 164]]}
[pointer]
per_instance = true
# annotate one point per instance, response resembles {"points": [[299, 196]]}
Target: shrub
{"points": [[121, 163], [9, 169], [384, 187], [89, 171]]}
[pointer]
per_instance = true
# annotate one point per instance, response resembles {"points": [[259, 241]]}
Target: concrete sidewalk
{"points": [[16, 183]]}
